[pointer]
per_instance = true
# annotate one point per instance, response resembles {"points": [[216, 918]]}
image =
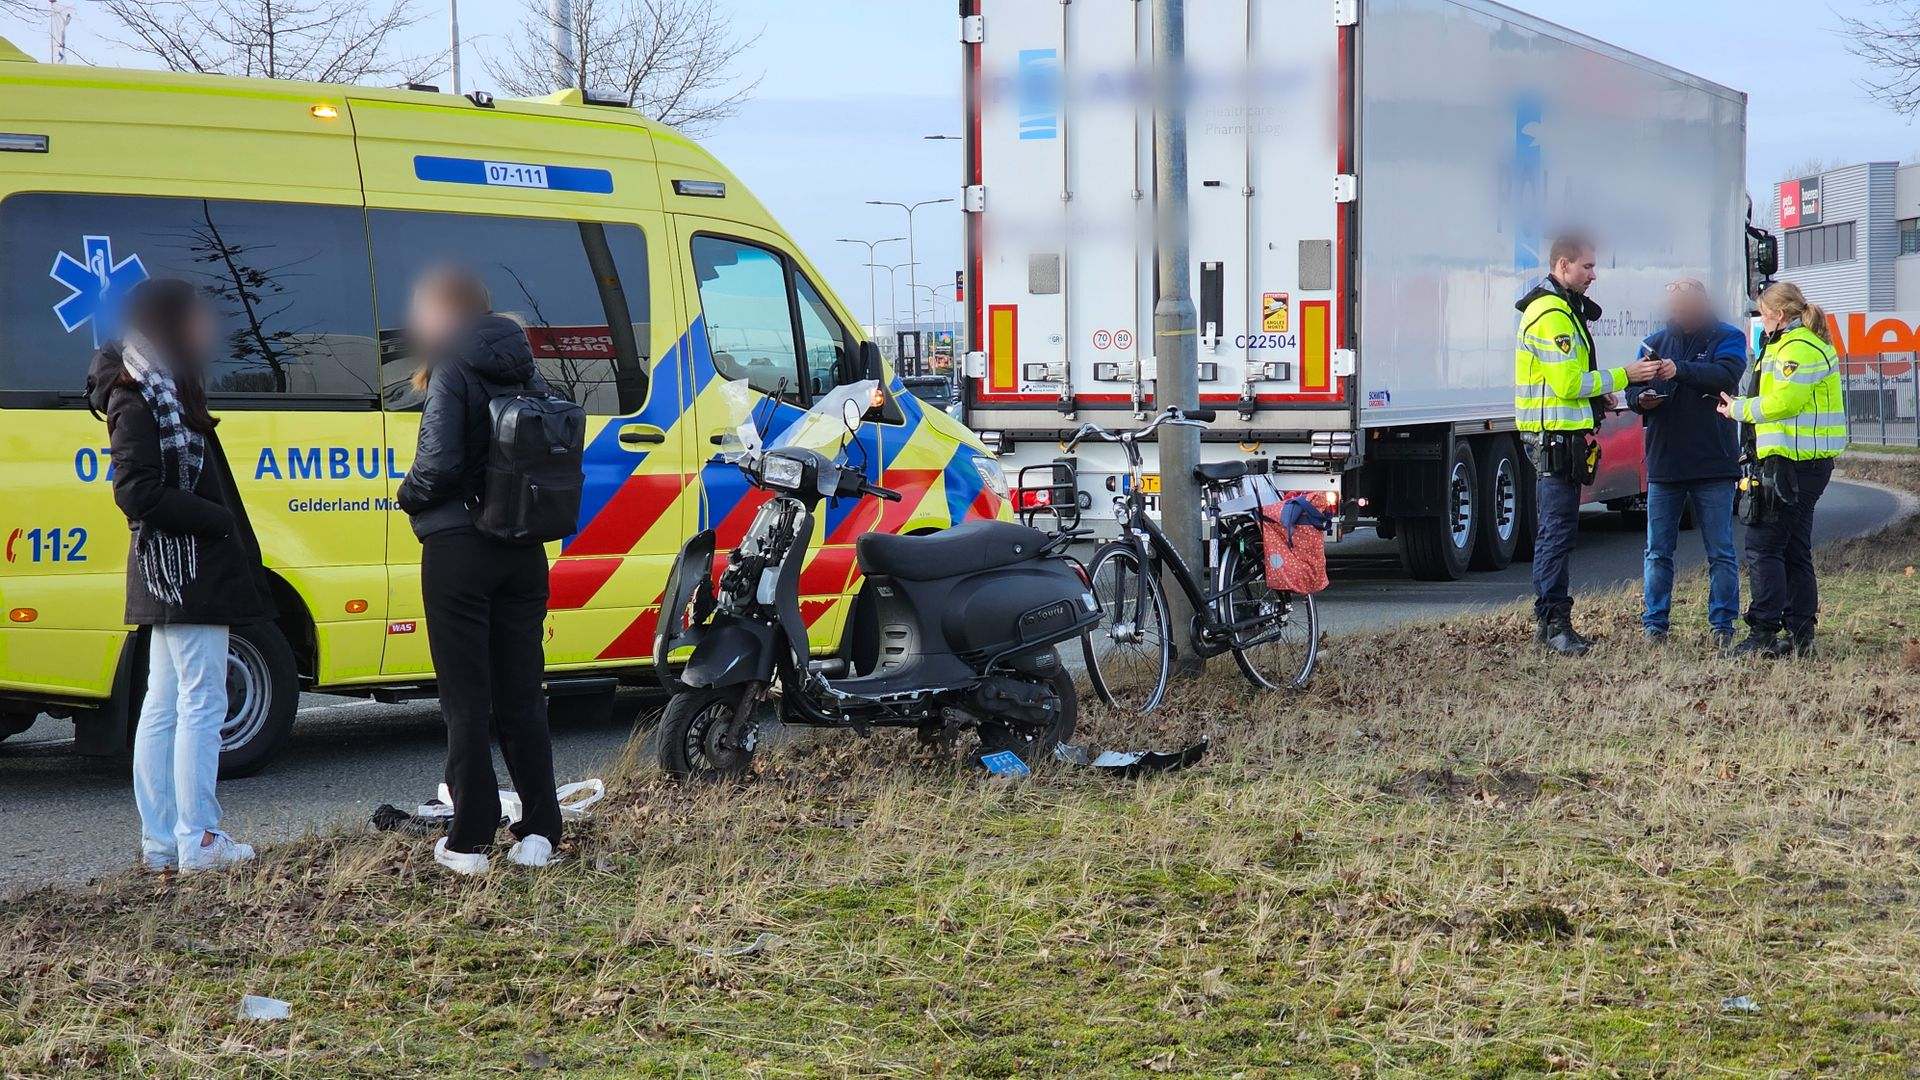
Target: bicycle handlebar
{"points": [[1170, 415]]}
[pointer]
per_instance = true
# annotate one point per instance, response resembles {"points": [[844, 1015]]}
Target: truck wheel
{"points": [[263, 693], [1499, 504], [1440, 548], [1529, 520]]}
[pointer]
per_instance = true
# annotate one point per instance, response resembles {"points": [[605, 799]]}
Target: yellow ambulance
{"points": [[647, 276]]}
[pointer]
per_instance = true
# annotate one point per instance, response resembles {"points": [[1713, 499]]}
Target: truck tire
{"points": [[1529, 521], [1499, 532], [263, 693], [1440, 548]]}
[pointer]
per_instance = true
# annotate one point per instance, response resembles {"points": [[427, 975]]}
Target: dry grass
{"points": [[1457, 857]]}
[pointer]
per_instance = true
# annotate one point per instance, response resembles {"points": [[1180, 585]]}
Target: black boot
{"points": [[1559, 635], [1765, 646]]}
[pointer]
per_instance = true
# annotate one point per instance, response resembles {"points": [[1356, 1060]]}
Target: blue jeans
{"points": [[1557, 528], [1713, 516], [176, 748]]}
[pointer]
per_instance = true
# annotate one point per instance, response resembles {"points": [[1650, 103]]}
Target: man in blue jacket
{"points": [[1693, 454]]}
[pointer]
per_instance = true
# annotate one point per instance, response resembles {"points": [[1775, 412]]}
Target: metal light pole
{"points": [[560, 13], [893, 302], [453, 43], [873, 305], [911, 257], [1175, 346]]}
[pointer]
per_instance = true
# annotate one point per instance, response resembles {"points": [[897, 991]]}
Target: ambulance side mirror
{"points": [[872, 364]]}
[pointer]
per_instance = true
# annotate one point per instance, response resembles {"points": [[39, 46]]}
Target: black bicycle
{"points": [[1274, 636]]}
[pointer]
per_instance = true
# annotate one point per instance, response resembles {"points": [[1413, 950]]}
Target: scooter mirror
{"points": [[851, 414]]}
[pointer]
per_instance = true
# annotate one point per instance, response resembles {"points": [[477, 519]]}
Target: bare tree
{"points": [[1889, 43], [673, 59], [336, 41], [1812, 166]]}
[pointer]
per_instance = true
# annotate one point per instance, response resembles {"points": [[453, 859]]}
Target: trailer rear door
{"points": [[1062, 245]]}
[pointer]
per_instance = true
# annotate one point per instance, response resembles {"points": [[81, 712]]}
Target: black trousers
{"points": [[486, 608], [1780, 560]]}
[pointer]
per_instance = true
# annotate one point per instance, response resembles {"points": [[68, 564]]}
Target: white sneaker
{"points": [[460, 862], [533, 850], [225, 851]]}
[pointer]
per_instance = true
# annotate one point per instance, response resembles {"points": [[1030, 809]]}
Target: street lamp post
{"points": [[910, 208], [873, 306], [893, 302]]}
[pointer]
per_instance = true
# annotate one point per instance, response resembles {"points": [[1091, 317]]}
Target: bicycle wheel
{"points": [[1130, 653], [1279, 632]]}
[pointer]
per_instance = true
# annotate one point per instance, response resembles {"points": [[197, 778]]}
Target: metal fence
{"points": [[1883, 399]]}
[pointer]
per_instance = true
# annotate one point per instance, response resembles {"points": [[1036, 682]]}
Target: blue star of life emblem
{"points": [[99, 285]]}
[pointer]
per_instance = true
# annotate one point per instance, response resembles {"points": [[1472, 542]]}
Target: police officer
{"points": [[1794, 403], [1559, 398]]}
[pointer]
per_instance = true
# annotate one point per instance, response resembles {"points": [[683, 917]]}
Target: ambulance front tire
{"points": [[1440, 547]]}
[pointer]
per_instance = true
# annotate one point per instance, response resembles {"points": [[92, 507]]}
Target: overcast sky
{"points": [[849, 87]]}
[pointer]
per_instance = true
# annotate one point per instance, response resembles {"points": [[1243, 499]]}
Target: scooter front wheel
{"points": [[708, 734]]}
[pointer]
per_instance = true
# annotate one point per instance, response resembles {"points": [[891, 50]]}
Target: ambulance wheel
{"points": [[1439, 548], [1499, 531], [13, 722], [263, 693]]}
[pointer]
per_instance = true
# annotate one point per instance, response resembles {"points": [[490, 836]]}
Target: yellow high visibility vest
{"points": [[1554, 378], [1800, 411]]}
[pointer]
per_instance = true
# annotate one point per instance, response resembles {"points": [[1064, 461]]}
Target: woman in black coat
{"points": [[193, 565], [485, 599]]}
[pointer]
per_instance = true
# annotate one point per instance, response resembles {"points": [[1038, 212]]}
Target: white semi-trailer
{"points": [[1372, 187]]}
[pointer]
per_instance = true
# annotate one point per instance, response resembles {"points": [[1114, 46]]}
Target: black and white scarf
{"points": [[168, 561]]}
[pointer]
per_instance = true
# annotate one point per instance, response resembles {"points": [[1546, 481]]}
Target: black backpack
{"points": [[533, 468]]}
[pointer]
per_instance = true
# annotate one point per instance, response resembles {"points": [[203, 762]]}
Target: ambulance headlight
{"points": [[992, 475], [780, 471]]}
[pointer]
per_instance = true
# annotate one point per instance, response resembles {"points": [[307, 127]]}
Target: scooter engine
{"points": [[1015, 700]]}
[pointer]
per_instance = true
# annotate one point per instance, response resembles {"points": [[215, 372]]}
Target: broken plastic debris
{"points": [[762, 942], [1005, 763], [574, 800], [1743, 1003], [263, 1008], [1131, 762], [577, 796]]}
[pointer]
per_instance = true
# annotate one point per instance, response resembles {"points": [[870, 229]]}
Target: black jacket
{"points": [[1687, 438], [450, 465], [230, 587]]}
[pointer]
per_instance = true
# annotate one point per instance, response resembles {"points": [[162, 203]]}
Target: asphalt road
{"points": [[70, 819]]}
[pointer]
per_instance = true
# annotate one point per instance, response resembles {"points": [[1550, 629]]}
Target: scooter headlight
{"points": [[992, 475], [780, 471]]}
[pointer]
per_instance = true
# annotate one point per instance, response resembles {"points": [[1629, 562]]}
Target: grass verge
{"points": [[1455, 857]]}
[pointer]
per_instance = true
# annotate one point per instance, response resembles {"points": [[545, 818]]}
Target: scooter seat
{"points": [[963, 549]]}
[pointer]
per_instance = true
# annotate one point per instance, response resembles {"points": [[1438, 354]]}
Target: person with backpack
{"points": [[193, 564], [484, 585]]}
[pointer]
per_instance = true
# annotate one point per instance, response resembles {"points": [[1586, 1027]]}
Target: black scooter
{"points": [[967, 623]]}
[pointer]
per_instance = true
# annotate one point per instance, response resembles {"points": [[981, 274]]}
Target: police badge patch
{"points": [[1564, 343], [1788, 367]]}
